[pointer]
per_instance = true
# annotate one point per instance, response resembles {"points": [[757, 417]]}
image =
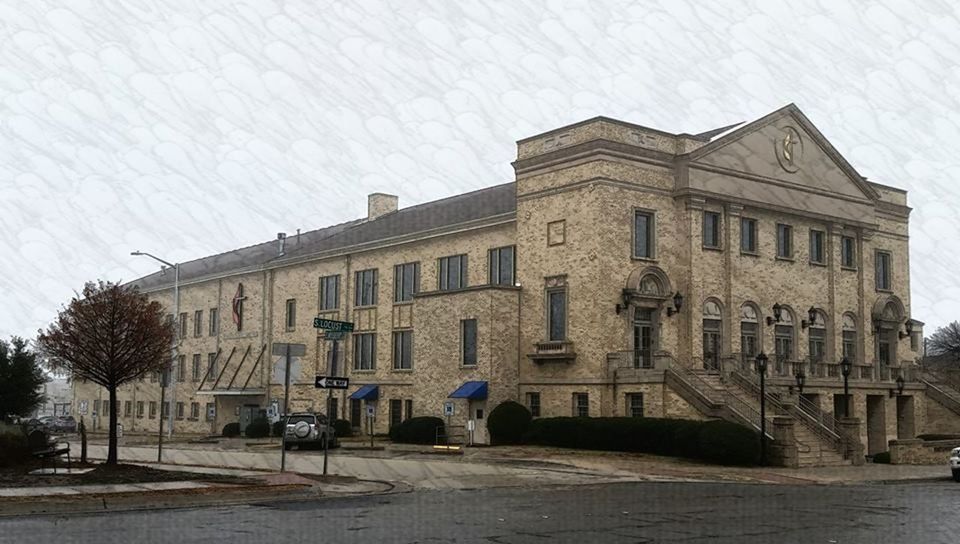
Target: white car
{"points": [[955, 464]]}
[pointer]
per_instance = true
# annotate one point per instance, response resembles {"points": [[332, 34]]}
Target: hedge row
{"points": [[417, 430], [14, 450], [718, 442]]}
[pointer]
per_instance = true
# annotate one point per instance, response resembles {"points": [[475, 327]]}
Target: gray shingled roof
{"points": [[473, 206]]}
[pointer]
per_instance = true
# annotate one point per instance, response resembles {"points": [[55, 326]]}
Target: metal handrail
{"points": [[823, 418], [737, 406], [945, 397]]}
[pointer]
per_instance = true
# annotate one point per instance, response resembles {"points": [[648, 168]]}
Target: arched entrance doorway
{"points": [[646, 291]]}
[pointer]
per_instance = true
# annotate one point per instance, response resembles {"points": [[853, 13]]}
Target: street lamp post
{"points": [[762, 370], [845, 368], [176, 317], [801, 379]]}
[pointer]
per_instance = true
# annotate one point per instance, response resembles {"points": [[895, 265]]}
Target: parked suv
{"points": [[303, 429], [955, 464]]}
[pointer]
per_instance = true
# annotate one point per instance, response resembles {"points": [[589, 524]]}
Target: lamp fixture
{"points": [[677, 304], [625, 295], [777, 314], [811, 318], [900, 385], [908, 327]]}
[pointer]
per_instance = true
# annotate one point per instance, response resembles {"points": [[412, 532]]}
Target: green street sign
{"points": [[331, 325], [333, 335]]}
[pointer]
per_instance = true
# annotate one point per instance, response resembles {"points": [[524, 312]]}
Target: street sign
{"points": [[331, 325], [448, 408], [330, 382], [334, 335], [296, 350]]}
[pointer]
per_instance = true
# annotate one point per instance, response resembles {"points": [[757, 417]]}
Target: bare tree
{"points": [[946, 341], [109, 334]]}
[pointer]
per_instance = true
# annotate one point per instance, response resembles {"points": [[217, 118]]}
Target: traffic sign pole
{"points": [[286, 400], [326, 443]]}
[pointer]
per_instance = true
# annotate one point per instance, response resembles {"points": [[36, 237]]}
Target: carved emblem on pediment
{"points": [[788, 146]]}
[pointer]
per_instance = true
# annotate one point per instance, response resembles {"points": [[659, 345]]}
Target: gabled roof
{"points": [[464, 208], [818, 137]]}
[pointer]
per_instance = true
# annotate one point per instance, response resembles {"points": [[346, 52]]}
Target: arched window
{"points": [[850, 337], [817, 336], [750, 344], [712, 328], [783, 334]]}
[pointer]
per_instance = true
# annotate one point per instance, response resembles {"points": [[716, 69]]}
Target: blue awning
{"points": [[367, 392], [470, 390]]}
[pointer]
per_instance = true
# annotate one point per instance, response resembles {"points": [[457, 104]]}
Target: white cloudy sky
{"points": [[189, 128]]}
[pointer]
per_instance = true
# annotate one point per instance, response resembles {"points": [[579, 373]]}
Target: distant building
{"points": [[59, 398]]}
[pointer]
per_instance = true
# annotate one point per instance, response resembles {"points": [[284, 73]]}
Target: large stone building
{"points": [[626, 271]]}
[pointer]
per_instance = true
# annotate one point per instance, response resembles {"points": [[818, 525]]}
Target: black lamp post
{"points": [[762, 370], [801, 378], [900, 384], [845, 368]]}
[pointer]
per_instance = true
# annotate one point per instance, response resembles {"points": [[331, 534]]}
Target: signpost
{"points": [[333, 331], [329, 382], [371, 414], [287, 350]]}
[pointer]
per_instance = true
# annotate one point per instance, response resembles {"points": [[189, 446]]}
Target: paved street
{"points": [[618, 513]]}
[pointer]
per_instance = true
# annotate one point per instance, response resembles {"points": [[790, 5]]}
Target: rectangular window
{"points": [[197, 373], [139, 408], [850, 345], [356, 412], [330, 292], [153, 409], [711, 230], [365, 282], [581, 405], [784, 241], [816, 247], [635, 404], [333, 409], [557, 314], [291, 320], [883, 270], [407, 409], [468, 340], [533, 403], [848, 252], [180, 409], [783, 347], [453, 272], [96, 407], [165, 411], [406, 281], [748, 235], [502, 265], [181, 368], [198, 323], [643, 235], [396, 412], [364, 351], [210, 411], [183, 325], [211, 366], [402, 350], [194, 410], [127, 408], [214, 316]]}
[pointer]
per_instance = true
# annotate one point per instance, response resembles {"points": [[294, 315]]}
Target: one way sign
{"points": [[329, 382]]}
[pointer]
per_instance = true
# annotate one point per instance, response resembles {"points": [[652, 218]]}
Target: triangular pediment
{"points": [[785, 146]]}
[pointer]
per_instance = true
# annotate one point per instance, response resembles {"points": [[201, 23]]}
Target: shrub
{"points": [[882, 458], [508, 422], [713, 441], [278, 427], [343, 428], [38, 439], [938, 436], [231, 429], [417, 430], [14, 449], [258, 428]]}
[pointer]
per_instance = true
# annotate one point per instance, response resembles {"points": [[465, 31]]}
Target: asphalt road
{"points": [[611, 514]]}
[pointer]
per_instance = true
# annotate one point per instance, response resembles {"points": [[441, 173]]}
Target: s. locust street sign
{"points": [[329, 382], [331, 325]]}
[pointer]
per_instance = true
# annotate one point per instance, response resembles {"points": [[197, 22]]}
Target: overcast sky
{"points": [[190, 128]]}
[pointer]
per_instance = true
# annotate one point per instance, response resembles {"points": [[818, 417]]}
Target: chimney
{"points": [[380, 204], [281, 237]]}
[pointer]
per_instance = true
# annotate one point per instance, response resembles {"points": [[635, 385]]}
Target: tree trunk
{"points": [[83, 442], [112, 442]]}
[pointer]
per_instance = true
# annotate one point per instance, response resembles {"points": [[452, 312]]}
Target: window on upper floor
{"points": [[402, 350], [557, 314], [196, 367], [330, 292], [784, 241], [644, 235], [883, 260], [365, 351], [848, 252], [502, 266], [406, 281], [365, 283], [198, 323], [748, 235], [711, 230], [183, 325], [291, 314], [817, 253], [453, 272], [214, 316], [181, 368], [212, 365], [468, 342]]}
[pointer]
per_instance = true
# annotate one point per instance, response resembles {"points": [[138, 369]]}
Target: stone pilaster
{"points": [[849, 430], [783, 451]]}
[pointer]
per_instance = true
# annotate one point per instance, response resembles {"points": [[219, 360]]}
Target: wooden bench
{"points": [[52, 451]]}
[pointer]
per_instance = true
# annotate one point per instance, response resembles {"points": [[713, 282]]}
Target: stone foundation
{"points": [[919, 452]]}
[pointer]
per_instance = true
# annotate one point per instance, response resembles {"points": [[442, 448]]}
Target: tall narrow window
{"points": [[533, 403], [180, 410], [291, 320], [194, 410], [407, 409], [402, 350], [364, 351], [643, 337], [366, 286], [181, 368], [883, 270], [783, 346], [127, 408], [817, 337], [784, 241], [212, 365], [502, 265], [643, 235], [748, 235], [198, 323], [711, 230], [848, 252], [139, 408], [153, 409], [196, 367], [406, 281], [816, 247], [468, 334], [453, 272], [330, 292], [396, 414], [711, 335], [557, 314], [635, 404], [214, 317], [581, 405], [183, 325], [749, 335]]}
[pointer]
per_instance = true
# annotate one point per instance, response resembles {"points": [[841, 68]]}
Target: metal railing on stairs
{"points": [[942, 395], [736, 407]]}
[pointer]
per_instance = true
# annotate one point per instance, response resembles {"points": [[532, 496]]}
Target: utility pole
{"points": [[286, 401], [163, 390]]}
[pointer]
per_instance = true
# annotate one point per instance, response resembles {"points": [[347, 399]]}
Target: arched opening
{"points": [[750, 338], [783, 341], [817, 343], [647, 290], [888, 313], [712, 334]]}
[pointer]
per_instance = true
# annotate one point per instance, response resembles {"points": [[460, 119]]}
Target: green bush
{"points": [[938, 436], [258, 428], [231, 430], [718, 442], [343, 428], [277, 428], [14, 450], [882, 458], [417, 430], [508, 422]]}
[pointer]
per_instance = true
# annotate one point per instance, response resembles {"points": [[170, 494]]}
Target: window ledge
{"points": [[749, 253], [365, 307], [403, 302], [364, 371], [879, 290], [849, 268], [815, 263], [786, 259], [644, 259], [402, 370], [712, 248], [468, 367]]}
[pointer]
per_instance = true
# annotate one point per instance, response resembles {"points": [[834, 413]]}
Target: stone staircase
{"points": [[942, 390], [815, 452]]}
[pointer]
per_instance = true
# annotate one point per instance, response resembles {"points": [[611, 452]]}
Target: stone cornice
{"points": [[593, 147], [779, 183]]}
